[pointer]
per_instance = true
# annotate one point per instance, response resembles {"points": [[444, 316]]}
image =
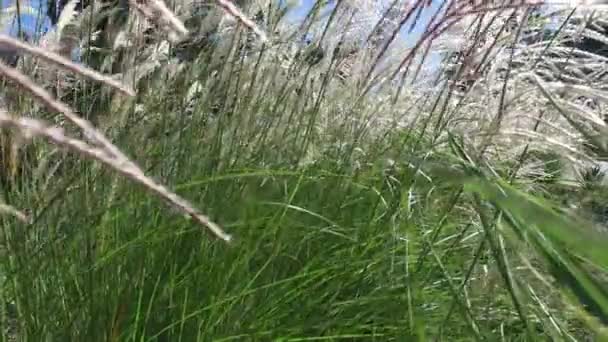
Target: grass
{"points": [[345, 227]]}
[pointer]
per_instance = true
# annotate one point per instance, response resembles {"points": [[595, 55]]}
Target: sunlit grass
{"points": [[345, 227]]}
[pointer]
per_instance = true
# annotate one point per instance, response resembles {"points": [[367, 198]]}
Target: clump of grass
{"points": [[360, 211]]}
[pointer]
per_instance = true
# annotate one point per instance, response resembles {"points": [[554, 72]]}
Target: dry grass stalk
{"points": [[47, 99], [35, 128], [10, 210], [63, 62], [550, 142], [155, 10], [106, 152], [454, 12], [235, 12], [547, 123]]}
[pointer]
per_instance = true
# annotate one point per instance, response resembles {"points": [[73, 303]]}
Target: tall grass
{"points": [[359, 209]]}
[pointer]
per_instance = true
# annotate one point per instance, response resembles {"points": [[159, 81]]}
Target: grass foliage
{"points": [[364, 204]]}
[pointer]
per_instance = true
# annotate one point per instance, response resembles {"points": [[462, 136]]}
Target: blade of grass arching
{"points": [[466, 310], [497, 248], [577, 284], [269, 173], [531, 207], [277, 223], [554, 236], [568, 232], [313, 214], [476, 257], [222, 311], [557, 327], [108, 255], [494, 239], [316, 275]]}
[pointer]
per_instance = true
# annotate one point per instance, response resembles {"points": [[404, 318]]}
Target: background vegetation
{"points": [[356, 184]]}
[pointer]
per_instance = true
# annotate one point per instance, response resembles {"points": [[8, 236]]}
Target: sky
{"points": [[306, 5], [410, 38], [31, 22]]}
